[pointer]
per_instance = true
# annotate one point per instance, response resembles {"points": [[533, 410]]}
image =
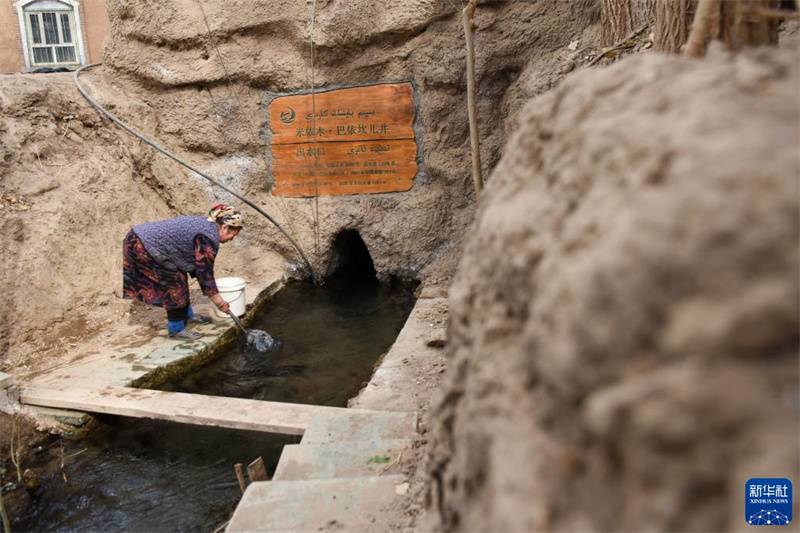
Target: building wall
{"points": [[10, 44], [94, 26]]}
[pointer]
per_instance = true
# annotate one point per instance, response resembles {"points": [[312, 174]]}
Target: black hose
{"points": [[169, 154]]}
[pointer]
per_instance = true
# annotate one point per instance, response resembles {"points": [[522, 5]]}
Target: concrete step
{"points": [[364, 427], [6, 380], [347, 504], [346, 459]]}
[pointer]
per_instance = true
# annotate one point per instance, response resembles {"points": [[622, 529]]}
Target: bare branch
{"points": [[619, 46], [696, 45], [469, 26], [16, 452]]}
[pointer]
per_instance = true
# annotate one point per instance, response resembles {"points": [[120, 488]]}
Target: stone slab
{"points": [[233, 413], [6, 380], [352, 426], [346, 504], [72, 418], [9, 400], [343, 460]]}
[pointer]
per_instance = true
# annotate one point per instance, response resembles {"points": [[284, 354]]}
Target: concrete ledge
{"points": [[6, 380], [343, 460], [345, 504], [352, 426], [411, 354]]}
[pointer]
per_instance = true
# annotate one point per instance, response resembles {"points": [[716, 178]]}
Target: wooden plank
{"points": [[256, 470], [344, 168], [240, 476], [362, 141], [370, 113], [233, 413]]}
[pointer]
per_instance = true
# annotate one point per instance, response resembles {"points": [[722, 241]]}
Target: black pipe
{"points": [[169, 154]]}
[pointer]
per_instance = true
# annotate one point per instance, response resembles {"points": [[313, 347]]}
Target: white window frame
{"points": [[73, 6]]}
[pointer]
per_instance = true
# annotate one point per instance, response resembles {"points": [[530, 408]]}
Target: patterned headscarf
{"points": [[225, 214]]}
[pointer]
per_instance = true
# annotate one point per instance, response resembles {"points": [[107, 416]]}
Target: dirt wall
{"points": [[622, 347]]}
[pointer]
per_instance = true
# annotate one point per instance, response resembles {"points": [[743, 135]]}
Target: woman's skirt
{"points": [[145, 280]]}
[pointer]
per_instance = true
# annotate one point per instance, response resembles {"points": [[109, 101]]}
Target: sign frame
{"points": [[360, 149]]}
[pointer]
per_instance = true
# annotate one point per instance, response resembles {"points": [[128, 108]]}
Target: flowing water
{"points": [[142, 475]]}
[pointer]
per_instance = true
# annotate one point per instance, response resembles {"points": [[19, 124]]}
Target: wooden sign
{"points": [[347, 141]]}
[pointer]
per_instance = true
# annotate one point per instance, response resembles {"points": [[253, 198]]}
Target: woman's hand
{"points": [[220, 302]]}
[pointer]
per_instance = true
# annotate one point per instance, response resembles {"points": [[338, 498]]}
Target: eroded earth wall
{"points": [[624, 322], [207, 72], [194, 80]]}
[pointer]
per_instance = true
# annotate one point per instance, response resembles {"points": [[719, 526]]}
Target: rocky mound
{"points": [[624, 328]]}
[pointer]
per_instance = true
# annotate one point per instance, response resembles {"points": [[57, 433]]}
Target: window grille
{"points": [[50, 37]]}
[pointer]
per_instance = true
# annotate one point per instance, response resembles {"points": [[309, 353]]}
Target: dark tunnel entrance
{"points": [[351, 262]]}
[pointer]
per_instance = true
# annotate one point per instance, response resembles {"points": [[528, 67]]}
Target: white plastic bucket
{"points": [[232, 291]]}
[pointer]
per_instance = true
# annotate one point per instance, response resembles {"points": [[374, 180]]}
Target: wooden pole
{"points": [[469, 26], [696, 45], [240, 476]]}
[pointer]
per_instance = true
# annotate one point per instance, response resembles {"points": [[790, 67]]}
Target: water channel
{"points": [[142, 475]]}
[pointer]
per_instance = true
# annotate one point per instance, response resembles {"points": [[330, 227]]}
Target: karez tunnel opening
{"points": [[352, 263]]}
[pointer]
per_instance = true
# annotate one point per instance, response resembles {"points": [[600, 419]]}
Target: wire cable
{"points": [[280, 205], [314, 128]]}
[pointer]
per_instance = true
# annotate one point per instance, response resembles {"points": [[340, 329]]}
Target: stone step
{"points": [[347, 504], [345, 459], [364, 427], [6, 380]]}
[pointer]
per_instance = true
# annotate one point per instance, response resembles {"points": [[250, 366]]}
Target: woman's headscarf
{"points": [[225, 214]]}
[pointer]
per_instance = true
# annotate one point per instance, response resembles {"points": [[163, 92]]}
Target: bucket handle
{"points": [[241, 293]]}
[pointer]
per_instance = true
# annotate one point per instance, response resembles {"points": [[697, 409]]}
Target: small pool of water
{"points": [[145, 475], [331, 339]]}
